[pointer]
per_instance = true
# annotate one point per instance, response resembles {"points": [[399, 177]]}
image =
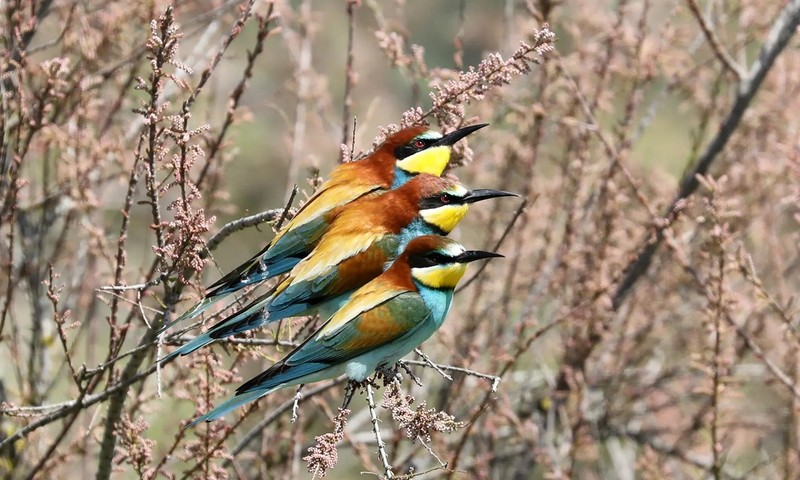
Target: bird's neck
{"points": [[417, 228], [401, 177], [438, 301]]}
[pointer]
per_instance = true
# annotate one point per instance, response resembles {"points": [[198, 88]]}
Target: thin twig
{"points": [[722, 54], [387, 469], [441, 368], [543, 38], [298, 395], [353, 139], [430, 363], [287, 207], [242, 223], [266, 216], [125, 288], [349, 74]]}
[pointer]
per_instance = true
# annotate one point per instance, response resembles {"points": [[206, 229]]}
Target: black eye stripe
{"points": [[420, 261], [438, 258], [429, 259], [439, 200], [410, 148]]}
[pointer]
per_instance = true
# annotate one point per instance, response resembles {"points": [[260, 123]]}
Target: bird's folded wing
{"points": [[379, 326], [352, 272], [365, 332], [335, 247], [297, 242], [376, 315], [299, 235], [331, 195]]}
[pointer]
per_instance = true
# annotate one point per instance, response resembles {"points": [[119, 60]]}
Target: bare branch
{"points": [[777, 39], [728, 61], [242, 223]]}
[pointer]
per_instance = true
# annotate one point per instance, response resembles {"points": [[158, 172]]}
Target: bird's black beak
{"points": [[457, 135], [473, 255], [484, 194]]}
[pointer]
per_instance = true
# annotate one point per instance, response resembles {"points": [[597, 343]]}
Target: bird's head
{"points": [[420, 150], [439, 262], [443, 202]]}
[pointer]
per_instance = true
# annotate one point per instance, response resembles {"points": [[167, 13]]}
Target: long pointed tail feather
{"points": [[188, 347], [251, 316], [254, 264], [254, 273], [193, 312], [264, 384], [207, 302], [230, 405], [225, 328], [215, 294]]}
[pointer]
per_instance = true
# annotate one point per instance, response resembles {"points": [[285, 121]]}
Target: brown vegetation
{"points": [[643, 325]]}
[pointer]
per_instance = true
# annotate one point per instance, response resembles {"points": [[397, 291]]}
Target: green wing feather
{"points": [[377, 326]]}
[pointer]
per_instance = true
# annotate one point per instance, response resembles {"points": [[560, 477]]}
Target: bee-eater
{"points": [[361, 238], [399, 158], [382, 322]]}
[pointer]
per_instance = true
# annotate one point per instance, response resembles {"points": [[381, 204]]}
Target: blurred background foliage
{"points": [[691, 374]]}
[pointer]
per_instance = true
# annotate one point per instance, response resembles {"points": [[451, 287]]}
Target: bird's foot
{"points": [[392, 374], [349, 391], [351, 388], [407, 369]]}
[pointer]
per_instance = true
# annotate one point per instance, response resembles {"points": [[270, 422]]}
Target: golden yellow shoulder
{"points": [[331, 251], [367, 297], [325, 200]]}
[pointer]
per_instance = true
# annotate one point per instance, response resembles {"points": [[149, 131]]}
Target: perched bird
{"points": [[361, 238], [383, 321], [403, 155]]}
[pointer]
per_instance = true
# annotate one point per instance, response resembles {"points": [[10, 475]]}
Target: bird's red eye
{"points": [[419, 143], [445, 199]]}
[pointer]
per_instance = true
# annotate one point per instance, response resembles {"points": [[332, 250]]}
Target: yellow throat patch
{"points": [[445, 217], [440, 276], [432, 161]]}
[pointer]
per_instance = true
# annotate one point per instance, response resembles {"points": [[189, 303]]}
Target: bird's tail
{"points": [[188, 347], [278, 376], [244, 276], [252, 316], [249, 274], [193, 312], [230, 405]]}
